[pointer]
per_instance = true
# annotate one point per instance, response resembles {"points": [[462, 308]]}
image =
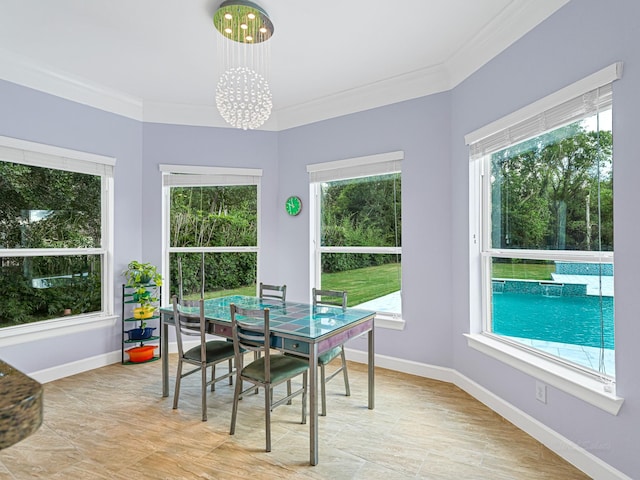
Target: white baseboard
{"points": [[79, 366], [86, 364], [572, 453]]}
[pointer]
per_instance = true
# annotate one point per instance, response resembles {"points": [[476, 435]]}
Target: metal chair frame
{"points": [[325, 297], [251, 333], [207, 354], [276, 292]]}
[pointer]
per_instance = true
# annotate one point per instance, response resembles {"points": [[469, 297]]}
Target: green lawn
{"points": [[365, 284], [523, 271], [362, 285], [249, 291]]}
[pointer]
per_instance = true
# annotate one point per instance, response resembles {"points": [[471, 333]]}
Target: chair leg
{"points": [[203, 369], [176, 393], [267, 414], [213, 378], [304, 398], [289, 391], [256, 355], [344, 372], [230, 370], [323, 393], [234, 410]]}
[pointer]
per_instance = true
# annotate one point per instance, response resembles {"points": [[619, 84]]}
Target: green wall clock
{"points": [[293, 206]]}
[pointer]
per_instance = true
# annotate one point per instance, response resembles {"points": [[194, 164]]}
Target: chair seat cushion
{"points": [[283, 367], [326, 357], [216, 350]]}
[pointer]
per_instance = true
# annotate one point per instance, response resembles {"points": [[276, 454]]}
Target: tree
{"points": [[361, 212], [214, 216], [554, 192], [46, 208]]}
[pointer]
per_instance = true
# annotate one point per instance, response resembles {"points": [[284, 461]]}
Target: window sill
{"points": [[52, 328], [573, 382], [390, 322]]}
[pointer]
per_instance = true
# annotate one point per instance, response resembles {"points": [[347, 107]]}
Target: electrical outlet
{"points": [[541, 392]]}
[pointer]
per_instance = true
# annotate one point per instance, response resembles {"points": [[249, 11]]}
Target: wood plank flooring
{"points": [[112, 423]]}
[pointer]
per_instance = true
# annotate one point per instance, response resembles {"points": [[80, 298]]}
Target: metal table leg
{"points": [[313, 403], [371, 371], [165, 357]]}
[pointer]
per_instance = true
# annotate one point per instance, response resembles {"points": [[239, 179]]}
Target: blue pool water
{"points": [[573, 320]]}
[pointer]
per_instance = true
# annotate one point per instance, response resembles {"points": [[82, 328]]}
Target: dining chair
{"points": [[276, 292], [333, 298], [250, 331], [273, 292], [190, 321]]}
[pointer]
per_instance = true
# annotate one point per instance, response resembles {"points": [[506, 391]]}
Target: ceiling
{"points": [[155, 60]]}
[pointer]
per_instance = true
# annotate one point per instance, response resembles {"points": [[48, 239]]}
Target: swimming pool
{"points": [[564, 319]]}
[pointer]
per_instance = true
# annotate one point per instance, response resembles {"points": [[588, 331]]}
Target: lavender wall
{"points": [[215, 147], [37, 117], [420, 128], [578, 40]]}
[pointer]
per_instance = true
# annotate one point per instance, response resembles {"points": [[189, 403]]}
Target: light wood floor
{"points": [[112, 423]]}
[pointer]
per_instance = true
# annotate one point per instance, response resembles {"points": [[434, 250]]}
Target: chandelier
{"points": [[243, 96]]}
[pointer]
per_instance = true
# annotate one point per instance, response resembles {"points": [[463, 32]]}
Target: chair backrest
{"points": [[189, 320], [278, 292], [334, 298], [180, 285], [250, 331], [180, 282]]}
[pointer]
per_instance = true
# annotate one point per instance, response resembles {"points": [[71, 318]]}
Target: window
{"points": [[55, 234], [543, 186], [212, 235], [357, 230]]}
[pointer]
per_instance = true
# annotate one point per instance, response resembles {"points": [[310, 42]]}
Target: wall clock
{"points": [[293, 205]]}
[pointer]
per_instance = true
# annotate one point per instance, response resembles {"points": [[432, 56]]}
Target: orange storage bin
{"points": [[141, 354]]}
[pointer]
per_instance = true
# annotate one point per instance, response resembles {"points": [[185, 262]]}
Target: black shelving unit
{"points": [[129, 322]]}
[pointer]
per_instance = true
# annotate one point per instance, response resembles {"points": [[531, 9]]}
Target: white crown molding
{"points": [[193, 115], [513, 22], [21, 71], [171, 113], [420, 83], [385, 92]]}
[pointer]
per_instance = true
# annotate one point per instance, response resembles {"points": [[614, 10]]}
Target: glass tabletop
{"points": [[299, 319]]}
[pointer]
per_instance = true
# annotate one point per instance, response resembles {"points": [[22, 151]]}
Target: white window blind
{"points": [[584, 98], [47, 156], [380, 164], [193, 176]]}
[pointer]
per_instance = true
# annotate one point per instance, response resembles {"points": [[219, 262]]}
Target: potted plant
{"points": [[142, 277]]}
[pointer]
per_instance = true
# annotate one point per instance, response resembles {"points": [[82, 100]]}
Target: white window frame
{"points": [[532, 121], [42, 155], [350, 168], [195, 175]]}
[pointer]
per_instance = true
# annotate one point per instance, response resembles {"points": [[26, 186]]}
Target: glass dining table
{"points": [[297, 328]]}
